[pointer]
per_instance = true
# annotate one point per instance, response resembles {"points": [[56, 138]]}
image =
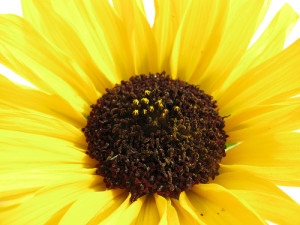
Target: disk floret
{"points": [[153, 134]]}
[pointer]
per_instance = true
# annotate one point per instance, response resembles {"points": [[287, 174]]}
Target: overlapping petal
{"points": [[45, 19], [198, 36], [276, 77], [43, 205], [263, 196], [141, 38], [97, 26], [35, 59], [237, 34], [168, 17], [269, 44], [213, 204]]}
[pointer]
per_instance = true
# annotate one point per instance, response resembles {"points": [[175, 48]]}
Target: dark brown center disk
{"points": [[153, 134]]}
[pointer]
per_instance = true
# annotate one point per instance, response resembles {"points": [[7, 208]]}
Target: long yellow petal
{"points": [[198, 36], [238, 32], [38, 123], [279, 149], [140, 35], [20, 98], [30, 161], [278, 75], [269, 44], [172, 216], [249, 182], [251, 124], [263, 196], [131, 212], [269, 148], [168, 17], [40, 208], [27, 53], [167, 212], [185, 211], [112, 211], [45, 118], [103, 34], [280, 175], [216, 205], [149, 212], [16, 185], [53, 27], [161, 204], [88, 205], [272, 207], [39, 148]]}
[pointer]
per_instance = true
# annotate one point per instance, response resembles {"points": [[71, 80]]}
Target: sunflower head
{"points": [[153, 134], [149, 136]]}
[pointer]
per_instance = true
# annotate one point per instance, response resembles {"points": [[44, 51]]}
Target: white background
{"points": [[14, 6]]}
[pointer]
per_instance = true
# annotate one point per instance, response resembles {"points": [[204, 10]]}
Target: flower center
{"points": [[153, 134]]}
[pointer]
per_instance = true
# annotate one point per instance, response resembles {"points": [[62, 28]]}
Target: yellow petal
{"points": [[56, 217], [269, 44], [249, 182], [172, 216], [186, 212], [85, 208], [178, 9], [20, 98], [168, 17], [238, 32], [102, 33], [140, 36], [11, 199], [276, 76], [279, 149], [30, 161], [112, 211], [216, 205], [39, 148], [167, 212], [53, 27], [23, 182], [161, 204], [124, 10], [272, 207], [131, 212], [27, 53], [38, 123], [279, 175], [198, 36], [40, 208], [263, 196], [251, 124], [149, 212]]}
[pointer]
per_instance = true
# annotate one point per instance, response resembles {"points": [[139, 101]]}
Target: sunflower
{"points": [[179, 123]]}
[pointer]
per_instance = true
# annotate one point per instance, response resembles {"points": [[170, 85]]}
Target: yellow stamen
{"points": [[151, 108], [176, 108], [145, 100], [135, 112], [136, 102], [145, 111], [158, 102], [147, 92]]}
